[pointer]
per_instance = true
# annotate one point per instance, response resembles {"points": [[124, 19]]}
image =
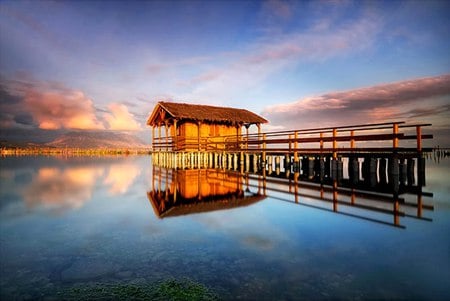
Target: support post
{"points": [[198, 135], [321, 141], [153, 138], [159, 137], [175, 147], [395, 132], [334, 144], [166, 130], [295, 147], [352, 140], [419, 138], [264, 152]]}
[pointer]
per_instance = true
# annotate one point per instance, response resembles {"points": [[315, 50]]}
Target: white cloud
{"points": [[120, 118]]}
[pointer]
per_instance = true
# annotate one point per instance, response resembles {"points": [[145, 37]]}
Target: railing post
{"points": [[352, 140], [153, 137], [175, 147], [334, 144], [264, 152], [395, 132], [290, 146], [166, 130], [321, 141], [199, 124], [295, 147], [419, 138], [159, 138]]}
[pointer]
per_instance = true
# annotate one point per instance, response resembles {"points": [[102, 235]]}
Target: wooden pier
{"points": [[387, 148], [377, 162]]}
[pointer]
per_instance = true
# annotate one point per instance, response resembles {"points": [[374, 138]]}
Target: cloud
{"points": [[47, 106], [55, 110], [53, 106], [120, 118], [418, 100]]}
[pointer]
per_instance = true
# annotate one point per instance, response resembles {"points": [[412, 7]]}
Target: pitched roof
{"points": [[182, 111]]}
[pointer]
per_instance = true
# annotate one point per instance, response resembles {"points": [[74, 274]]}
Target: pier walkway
{"points": [[296, 150]]}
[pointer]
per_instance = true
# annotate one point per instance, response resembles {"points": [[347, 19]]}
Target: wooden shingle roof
{"points": [[184, 111]]}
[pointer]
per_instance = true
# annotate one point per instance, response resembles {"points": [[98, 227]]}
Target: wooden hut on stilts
{"points": [[182, 127]]}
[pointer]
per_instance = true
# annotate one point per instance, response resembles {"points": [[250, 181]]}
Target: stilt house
{"points": [[189, 127]]}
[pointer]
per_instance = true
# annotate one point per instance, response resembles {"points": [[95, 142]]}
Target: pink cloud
{"points": [[52, 106], [120, 118], [61, 109], [46, 105], [418, 100]]}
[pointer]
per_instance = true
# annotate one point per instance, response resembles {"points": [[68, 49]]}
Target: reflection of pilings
{"points": [[396, 209]]}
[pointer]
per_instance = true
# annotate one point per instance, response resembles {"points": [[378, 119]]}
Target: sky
{"points": [[103, 65]]}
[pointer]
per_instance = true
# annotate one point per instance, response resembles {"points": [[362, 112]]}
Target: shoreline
{"points": [[23, 151]]}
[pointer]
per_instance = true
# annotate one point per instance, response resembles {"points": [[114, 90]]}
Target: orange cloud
{"points": [[46, 105], [120, 118], [61, 109]]}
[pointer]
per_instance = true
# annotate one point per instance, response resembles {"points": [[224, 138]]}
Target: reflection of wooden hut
{"points": [[189, 127], [196, 191]]}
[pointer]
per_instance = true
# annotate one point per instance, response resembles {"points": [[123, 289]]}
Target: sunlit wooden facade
{"points": [[189, 127]]}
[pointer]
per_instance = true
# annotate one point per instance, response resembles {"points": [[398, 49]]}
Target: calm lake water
{"points": [[68, 222]]}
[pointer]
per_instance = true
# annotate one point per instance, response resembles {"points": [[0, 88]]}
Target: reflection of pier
{"points": [[374, 193]]}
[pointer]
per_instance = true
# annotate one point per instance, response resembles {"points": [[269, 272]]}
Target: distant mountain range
{"points": [[72, 139]]}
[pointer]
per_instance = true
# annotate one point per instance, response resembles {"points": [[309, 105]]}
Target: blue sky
{"points": [[104, 64]]}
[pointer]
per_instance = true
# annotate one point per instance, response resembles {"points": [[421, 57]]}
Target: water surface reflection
{"points": [[76, 222], [186, 191]]}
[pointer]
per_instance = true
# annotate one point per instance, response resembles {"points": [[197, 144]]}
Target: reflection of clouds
{"points": [[120, 177], [62, 188]]}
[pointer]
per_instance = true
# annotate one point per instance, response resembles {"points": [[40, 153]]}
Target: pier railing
{"points": [[379, 137]]}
